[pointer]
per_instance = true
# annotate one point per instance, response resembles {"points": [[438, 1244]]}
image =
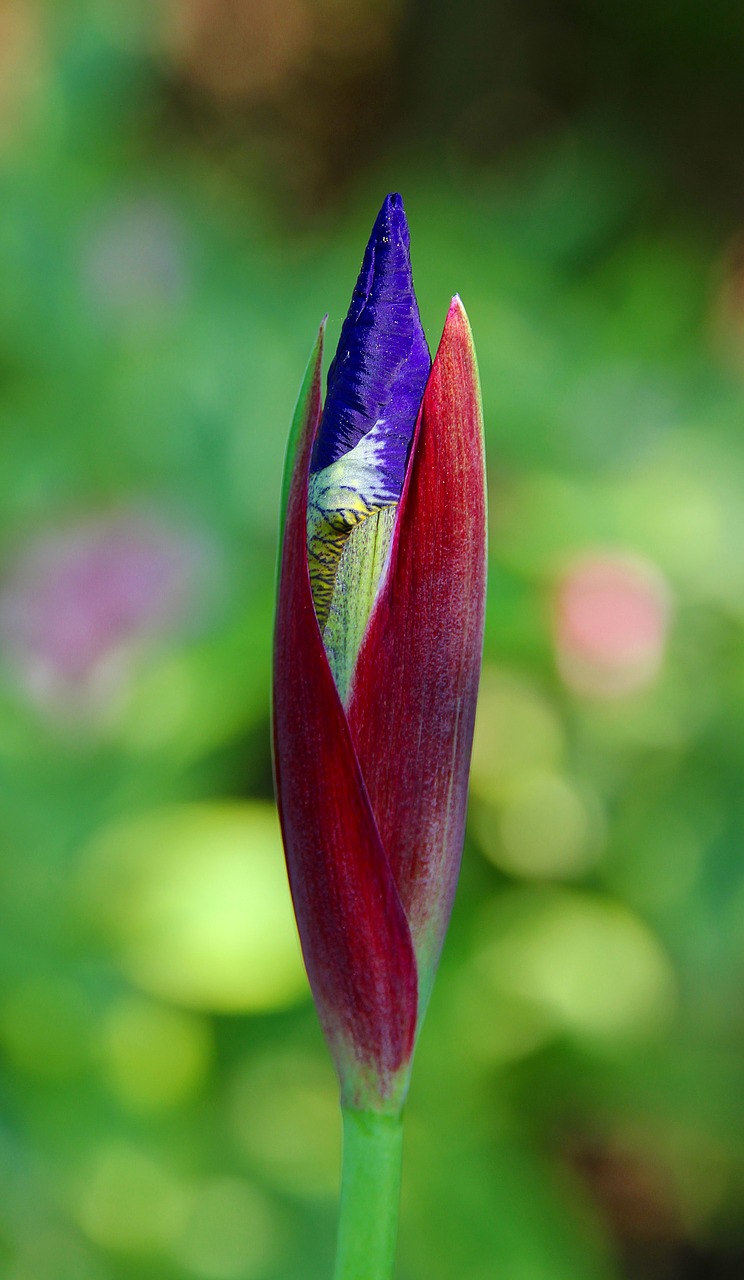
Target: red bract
{"points": [[372, 796]]}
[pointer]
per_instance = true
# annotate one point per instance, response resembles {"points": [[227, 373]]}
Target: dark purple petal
{"points": [[378, 375]]}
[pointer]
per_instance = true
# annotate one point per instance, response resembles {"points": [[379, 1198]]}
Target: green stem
{"points": [[370, 1193]]}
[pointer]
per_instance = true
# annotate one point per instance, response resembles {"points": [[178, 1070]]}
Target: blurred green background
{"points": [[186, 186]]}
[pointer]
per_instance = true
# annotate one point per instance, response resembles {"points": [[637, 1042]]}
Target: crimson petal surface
{"points": [[412, 701], [355, 937]]}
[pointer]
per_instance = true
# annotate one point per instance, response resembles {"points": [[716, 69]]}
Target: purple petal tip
{"points": [[382, 362]]}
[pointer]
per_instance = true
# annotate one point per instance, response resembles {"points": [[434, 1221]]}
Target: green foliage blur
{"points": [[186, 187]]}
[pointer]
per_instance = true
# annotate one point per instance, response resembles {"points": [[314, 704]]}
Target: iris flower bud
{"points": [[378, 641]]}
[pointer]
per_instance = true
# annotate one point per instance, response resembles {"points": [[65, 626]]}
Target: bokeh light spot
{"points": [[134, 259], [595, 968], [129, 1202], [80, 603], [611, 618], [230, 1232], [545, 828], [154, 1057], [284, 1111], [516, 731], [196, 901]]}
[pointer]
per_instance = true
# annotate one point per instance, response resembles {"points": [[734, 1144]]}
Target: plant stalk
{"points": [[370, 1195]]}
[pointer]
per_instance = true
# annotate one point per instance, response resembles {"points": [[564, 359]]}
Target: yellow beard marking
{"points": [[360, 566], [326, 541], [340, 497]]}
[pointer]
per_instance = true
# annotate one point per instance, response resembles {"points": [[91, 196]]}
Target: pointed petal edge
{"points": [[355, 937], [414, 689]]}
